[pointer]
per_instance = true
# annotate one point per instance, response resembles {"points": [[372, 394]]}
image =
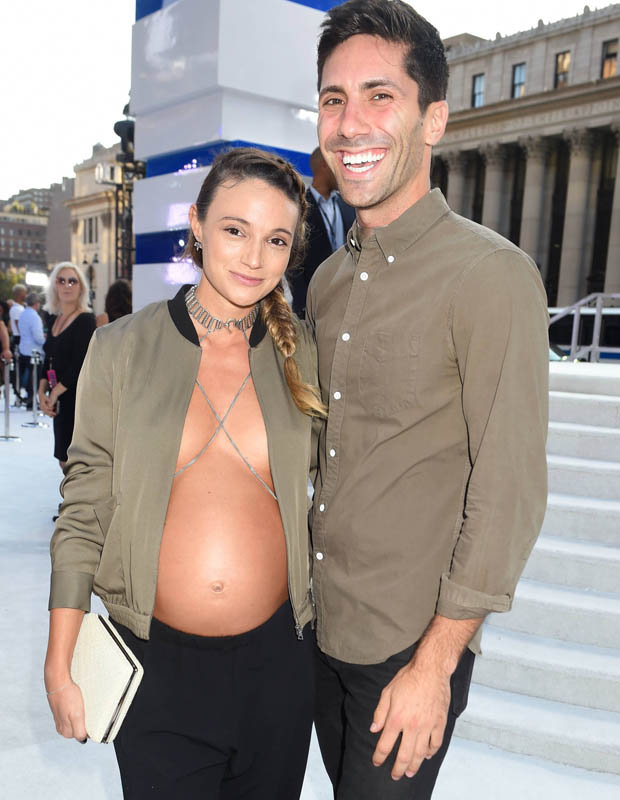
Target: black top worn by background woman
{"points": [[65, 354]]}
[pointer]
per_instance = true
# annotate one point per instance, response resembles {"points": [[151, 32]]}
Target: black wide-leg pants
{"points": [[346, 698], [219, 718]]}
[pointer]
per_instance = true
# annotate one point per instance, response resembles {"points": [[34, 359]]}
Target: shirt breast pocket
{"points": [[387, 375]]}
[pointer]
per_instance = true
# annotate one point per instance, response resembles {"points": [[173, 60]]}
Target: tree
{"points": [[8, 278]]}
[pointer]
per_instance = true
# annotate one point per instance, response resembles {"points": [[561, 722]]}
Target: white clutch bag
{"points": [[108, 675]]}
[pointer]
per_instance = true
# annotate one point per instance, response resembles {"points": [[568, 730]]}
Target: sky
{"points": [[66, 72]]}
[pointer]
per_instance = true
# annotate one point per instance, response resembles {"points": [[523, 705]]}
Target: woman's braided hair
{"points": [[245, 163]]}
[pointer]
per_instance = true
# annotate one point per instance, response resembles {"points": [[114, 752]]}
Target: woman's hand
{"points": [[56, 392], [64, 696], [68, 710], [45, 405]]}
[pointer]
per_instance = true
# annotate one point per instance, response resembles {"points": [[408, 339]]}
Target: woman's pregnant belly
{"points": [[222, 563]]}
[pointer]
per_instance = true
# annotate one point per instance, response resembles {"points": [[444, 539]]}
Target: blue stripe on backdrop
{"points": [[203, 156], [320, 5], [161, 247], [146, 7]]}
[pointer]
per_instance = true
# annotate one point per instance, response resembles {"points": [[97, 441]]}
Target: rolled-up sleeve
{"points": [[87, 487], [500, 338]]}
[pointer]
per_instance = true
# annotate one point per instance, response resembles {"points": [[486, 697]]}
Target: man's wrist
{"points": [[431, 659], [443, 644]]}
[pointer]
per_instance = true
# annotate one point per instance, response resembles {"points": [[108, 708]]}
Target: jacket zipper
{"points": [[298, 628]]}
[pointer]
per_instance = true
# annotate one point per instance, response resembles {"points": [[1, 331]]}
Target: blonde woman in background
{"points": [[71, 327]]}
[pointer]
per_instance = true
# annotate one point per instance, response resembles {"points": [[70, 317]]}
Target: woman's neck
{"points": [[66, 309]]}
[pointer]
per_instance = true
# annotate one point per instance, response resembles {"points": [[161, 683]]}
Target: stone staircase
{"points": [[548, 684]]}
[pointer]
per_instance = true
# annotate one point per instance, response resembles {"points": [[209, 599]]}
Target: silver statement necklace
{"points": [[213, 324]]}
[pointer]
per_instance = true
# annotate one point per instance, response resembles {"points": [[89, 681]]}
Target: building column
{"points": [[612, 273], [495, 158], [571, 285], [536, 149], [455, 161]]}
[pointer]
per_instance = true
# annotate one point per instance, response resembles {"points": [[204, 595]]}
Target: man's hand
{"points": [[415, 702]]}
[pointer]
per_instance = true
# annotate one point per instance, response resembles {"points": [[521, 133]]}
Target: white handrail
{"points": [[591, 352]]}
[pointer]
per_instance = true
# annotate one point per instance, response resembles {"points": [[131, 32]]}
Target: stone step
{"points": [[476, 770], [584, 477], [558, 612], [568, 734], [575, 376], [572, 562], [584, 409], [583, 441], [548, 668], [583, 518]]}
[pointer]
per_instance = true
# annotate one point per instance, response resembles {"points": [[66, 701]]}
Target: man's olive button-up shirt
{"points": [[433, 359]]}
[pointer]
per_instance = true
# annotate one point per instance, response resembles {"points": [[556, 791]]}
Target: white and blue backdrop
{"points": [[207, 75]]}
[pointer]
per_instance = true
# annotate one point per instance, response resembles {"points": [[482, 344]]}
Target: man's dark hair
{"points": [[394, 21]]}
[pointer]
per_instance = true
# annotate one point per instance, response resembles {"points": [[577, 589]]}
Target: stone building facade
{"points": [[531, 148], [58, 243], [93, 221], [22, 240]]}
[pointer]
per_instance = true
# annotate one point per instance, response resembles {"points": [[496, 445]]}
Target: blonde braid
{"points": [[278, 318]]}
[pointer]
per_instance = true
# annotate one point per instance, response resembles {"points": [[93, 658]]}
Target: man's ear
{"points": [[435, 121]]}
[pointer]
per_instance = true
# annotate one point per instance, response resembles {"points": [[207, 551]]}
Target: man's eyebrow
{"points": [[330, 89], [374, 83]]}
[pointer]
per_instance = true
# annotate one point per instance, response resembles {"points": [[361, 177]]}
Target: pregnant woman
{"points": [[185, 505]]}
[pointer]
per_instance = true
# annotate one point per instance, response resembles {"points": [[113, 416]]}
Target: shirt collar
{"points": [[319, 197], [183, 323], [401, 234]]}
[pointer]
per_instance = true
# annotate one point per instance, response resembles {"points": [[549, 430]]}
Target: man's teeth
{"points": [[361, 158]]}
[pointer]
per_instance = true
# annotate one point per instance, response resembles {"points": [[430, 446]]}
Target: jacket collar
{"points": [[399, 235], [183, 323]]}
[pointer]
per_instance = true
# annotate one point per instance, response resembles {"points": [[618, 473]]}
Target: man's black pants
{"points": [[346, 698], [219, 718]]}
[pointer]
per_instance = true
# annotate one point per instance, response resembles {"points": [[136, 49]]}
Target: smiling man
{"points": [[432, 338]]}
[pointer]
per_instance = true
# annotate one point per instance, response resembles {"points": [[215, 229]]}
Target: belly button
{"points": [[217, 587]]}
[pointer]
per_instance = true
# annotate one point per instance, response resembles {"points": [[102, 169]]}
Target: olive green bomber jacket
{"points": [[132, 399]]}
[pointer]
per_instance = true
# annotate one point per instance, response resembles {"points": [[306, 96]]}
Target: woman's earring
{"points": [[198, 245]]}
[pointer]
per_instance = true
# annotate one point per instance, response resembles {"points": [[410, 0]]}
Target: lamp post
{"points": [[91, 275]]}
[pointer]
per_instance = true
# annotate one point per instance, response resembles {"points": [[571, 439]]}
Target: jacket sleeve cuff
{"points": [[460, 602], [71, 590]]}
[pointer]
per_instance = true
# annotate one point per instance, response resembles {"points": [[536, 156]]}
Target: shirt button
{"points": [[337, 395], [346, 337], [322, 507], [363, 276], [319, 556], [390, 259], [332, 452]]}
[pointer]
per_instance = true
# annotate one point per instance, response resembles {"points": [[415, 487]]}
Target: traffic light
{"points": [[124, 129]]}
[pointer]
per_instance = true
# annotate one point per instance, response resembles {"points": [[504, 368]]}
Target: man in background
{"points": [[329, 219], [31, 339], [17, 307]]}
